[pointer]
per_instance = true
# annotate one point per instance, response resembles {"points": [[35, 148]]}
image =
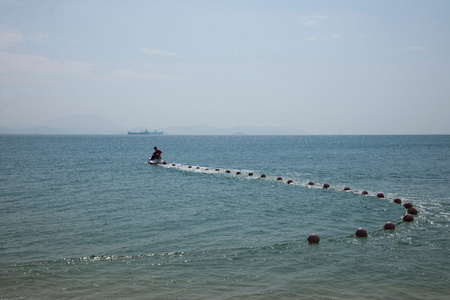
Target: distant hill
{"points": [[238, 130], [76, 124], [97, 124]]}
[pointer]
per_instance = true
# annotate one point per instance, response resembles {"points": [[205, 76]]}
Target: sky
{"points": [[322, 67]]}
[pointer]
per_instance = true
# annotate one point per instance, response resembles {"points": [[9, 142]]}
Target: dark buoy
{"points": [[289, 181], [198, 168], [361, 232], [173, 165], [313, 238], [263, 175], [207, 169], [227, 171], [190, 167], [250, 174], [164, 163], [326, 185], [408, 218], [347, 188], [310, 183], [279, 178], [217, 170], [389, 226], [380, 195], [238, 173], [412, 211], [364, 193], [397, 200], [407, 205]]}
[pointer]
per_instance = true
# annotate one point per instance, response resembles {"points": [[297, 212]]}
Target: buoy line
{"points": [[314, 237]]}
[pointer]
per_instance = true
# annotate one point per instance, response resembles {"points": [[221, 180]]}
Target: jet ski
{"points": [[155, 161]]}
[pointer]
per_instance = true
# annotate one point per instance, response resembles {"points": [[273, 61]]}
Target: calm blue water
{"points": [[85, 217]]}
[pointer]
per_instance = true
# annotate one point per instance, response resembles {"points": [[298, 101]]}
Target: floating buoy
{"points": [[408, 218], [313, 238], [207, 169], [407, 205], [389, 226], [361, 232], [412, 211]]}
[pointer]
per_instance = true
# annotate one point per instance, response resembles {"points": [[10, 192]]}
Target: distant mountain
{"points": [[97, 124], [238, 130], [75, 124]]}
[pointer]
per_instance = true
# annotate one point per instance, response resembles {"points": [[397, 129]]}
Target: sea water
{"points": [[85, 217]]}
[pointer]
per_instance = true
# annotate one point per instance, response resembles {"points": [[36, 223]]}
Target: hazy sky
{"points": [[325, 67]]}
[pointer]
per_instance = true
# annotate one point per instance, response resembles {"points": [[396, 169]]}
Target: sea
{"points": [[86, 217]]}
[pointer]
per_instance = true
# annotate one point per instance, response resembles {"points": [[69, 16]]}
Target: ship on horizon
{"points": [[146, 132]]}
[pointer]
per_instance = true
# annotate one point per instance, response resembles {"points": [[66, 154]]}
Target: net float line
{"points": [[314, 237]]}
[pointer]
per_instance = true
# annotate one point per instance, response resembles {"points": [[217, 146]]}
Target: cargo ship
{"points": [[145, 132]]}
